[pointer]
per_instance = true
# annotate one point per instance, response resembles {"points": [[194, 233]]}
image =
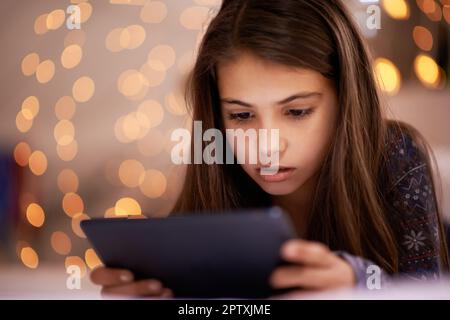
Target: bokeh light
{"points": [[29, 257], [35, 215], [68, 181], [131, 172], [71, 56], [30, 63], [40, 24], [131, 83], [55, 19], [164, 54], [132, 37], [446, 12], [397, 9], [127, 207], [195, 18], [91, 258], [65, 108], [22, 123], [76, 220], [38, 163], [150, 114], [85, 11], [83, 89], [176, 104], [45, 71], [67, 152], [22, 154], [423, 38], [64, 132], [388, 76], [427, 70], [76, 261], [153, 184], [72, 204], [30, 107], [61, 243], [153, 12]]}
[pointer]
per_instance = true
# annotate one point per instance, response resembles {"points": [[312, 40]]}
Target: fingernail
{"points": [[154, 286], [167, 293], [126, 277]]}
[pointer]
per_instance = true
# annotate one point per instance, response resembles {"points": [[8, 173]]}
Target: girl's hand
{"points": [[316, 268], [121, 282]]}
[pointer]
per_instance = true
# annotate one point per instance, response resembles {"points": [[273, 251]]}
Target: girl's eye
{"points": [[241, 116], [299, 113]]}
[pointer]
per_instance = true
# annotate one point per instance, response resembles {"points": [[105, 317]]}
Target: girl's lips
{"points": [[282, 175]]}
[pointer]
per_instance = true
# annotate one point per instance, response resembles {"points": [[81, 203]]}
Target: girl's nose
{"points": [[271, 145]]}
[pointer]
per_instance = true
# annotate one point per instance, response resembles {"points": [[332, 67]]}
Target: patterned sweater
{"points": [[413, 214]]}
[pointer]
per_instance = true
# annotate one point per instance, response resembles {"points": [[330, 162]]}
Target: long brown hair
{"points": [[348, 204]]}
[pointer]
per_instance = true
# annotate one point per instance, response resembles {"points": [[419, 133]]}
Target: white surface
{"points": [[49, 282], [45, 282]]}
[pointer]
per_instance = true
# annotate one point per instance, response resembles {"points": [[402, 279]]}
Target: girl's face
{"points": [[300, 103]]}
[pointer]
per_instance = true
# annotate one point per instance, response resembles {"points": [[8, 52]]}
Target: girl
{"points": [[359, 188]]}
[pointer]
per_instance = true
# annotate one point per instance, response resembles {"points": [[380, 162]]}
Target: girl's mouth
{"points": [[281, 175]]}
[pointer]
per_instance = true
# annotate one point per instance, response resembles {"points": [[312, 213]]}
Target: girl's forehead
{"points": [[247, 60], [249, 76]]}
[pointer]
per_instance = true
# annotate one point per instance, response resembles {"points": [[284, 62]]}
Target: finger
{"points": [[135, 289], [307, 253], [109, 277], [295, 277], [167, 293]]}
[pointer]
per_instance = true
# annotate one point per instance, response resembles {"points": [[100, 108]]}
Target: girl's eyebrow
{"points": [[297, 96]]}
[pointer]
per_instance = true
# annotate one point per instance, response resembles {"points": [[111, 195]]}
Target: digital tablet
{"points": [[230, 254]]}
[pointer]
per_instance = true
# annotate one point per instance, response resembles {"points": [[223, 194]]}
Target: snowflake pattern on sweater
{"points": [[413, 207]]}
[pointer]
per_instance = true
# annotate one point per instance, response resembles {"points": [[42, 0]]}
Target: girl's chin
{"points": [[277, 189]]}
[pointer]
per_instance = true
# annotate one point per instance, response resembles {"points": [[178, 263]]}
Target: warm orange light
{"points": [[154, 12], [65, 108], [83, 89], [427, 70], [131, 172], [71, 56], [61, 243], [45, 71], [423, 38], [68, 181], [35, 215], [22, 153], [76, 261], [30, 64], [55, 19], [76, 220], [38, 163], [128, 207], [29, 257], [396, 9], [153, 184], [388, 76], [72, 204], [92, 260]]}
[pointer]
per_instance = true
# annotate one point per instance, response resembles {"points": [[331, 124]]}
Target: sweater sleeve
{"points": [[413, 210], [367, 274], [413, 217]]}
